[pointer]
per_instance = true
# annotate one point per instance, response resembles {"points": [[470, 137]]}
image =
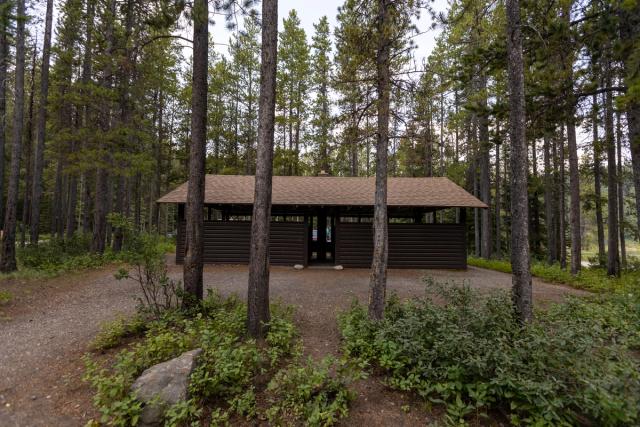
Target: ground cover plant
{"points": [[55, 256], [593, 279], [574, 364], [237, 379]]}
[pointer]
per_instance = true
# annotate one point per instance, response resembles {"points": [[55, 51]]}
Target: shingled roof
{"points": [[332, 191]]}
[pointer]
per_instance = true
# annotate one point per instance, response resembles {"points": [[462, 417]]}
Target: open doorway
{"points": [[321, 238]]}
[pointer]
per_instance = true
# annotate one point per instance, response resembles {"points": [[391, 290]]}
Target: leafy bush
{"points": [[316, 393], [112, 333], [159, 292], [229, 369], [593, 279], [471, 354]]}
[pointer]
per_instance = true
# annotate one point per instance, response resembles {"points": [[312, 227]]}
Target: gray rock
{"points": [[163, 385], [298, 266], [338, 267]]}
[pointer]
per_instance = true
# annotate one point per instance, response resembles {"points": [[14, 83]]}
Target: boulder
{"points": [[162, 385], [298, 266], [338, 267]]}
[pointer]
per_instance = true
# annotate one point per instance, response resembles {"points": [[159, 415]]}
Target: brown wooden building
{"points": [[324, 219]]}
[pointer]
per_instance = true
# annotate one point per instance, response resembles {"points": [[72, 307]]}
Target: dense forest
{"points": [[531, 106], [96, 114]]}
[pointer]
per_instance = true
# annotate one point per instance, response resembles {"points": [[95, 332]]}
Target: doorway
{"points": [[322, 233]]}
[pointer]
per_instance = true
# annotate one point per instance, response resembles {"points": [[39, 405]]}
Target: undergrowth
{"points": [[57, 256], [232, 369], [573, 365], [593, 279]]}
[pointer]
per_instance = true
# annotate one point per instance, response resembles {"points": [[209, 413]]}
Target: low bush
{"points": [[231, 370], [314, 392], [114, 332], [570, 366], [593, 279]]}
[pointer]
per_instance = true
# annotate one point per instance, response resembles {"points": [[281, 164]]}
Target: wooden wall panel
{"points": [[410, 245], [227, 242]]}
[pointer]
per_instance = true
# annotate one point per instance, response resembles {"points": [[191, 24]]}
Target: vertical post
{"points": [[462, 215]]}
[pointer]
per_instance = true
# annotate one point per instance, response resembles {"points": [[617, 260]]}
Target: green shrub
{"points": [[471, 354], [315, 393], [593, 279], [112, 333], [228, 369]]}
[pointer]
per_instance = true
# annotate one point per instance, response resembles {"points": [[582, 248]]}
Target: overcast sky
{"points": [[310, 12]]}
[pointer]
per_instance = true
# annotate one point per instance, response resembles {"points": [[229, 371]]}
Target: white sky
{"points": [[310, 12]]}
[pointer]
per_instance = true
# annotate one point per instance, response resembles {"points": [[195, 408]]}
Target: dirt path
{"points": [[46, 328]]}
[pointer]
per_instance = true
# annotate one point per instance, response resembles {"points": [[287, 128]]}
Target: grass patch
{"points": [[5, 297], [237, 379], [571, 366], [593, 279]]}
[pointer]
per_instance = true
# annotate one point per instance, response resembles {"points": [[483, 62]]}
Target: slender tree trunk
{"points": [[8, 254], [378, 279], [613, 255], [549, 199], [630, 37], [498, 205], [522, 293], [194, 245], [597, 179], [103, 190], [563, 201], [4, 61], [86, 78], [574, 190], [485, 172], [28, 142], [258, 287], [38, 165], [623, 247]]}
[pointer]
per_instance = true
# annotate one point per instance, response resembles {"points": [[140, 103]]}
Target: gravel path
{"points": [[47, 327]]}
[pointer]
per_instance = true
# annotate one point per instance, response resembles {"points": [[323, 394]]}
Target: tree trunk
{"points": [[562, 179], [574, 190], [378, 279], [258, 287], [549, 199], [597, 179], [8, 254], [28, 142], [630, 36], [485, 173], [38, 165], [522, 293], [194, 244], [623, 248], [613, 255], [498, 207], [103, 190], [86, 78], [4, 61]]}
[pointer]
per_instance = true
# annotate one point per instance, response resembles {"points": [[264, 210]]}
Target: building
{"points": [[325, 219]]}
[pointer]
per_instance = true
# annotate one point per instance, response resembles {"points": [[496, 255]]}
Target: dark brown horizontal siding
{"points": [[227, 242], [410, 245]]}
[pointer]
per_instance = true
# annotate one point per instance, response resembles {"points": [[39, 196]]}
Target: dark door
{"points": [[322, 237]]}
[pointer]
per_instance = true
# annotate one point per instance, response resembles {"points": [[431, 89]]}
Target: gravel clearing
{"points": [[47, 326]]}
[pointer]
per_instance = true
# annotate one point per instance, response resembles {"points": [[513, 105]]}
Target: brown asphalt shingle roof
{"points": [[332, 191]]}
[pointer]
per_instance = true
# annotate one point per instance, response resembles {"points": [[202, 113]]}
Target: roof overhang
{"points": [[437, 192]]}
